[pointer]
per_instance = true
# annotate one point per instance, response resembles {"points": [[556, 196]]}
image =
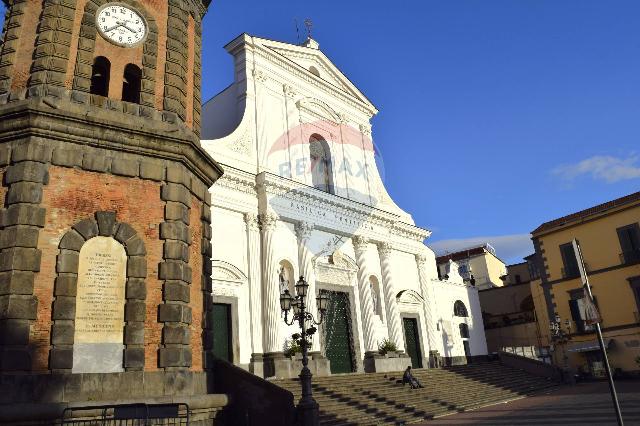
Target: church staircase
{"points": [[381, 399]]}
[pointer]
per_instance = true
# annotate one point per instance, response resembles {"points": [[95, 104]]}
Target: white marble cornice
{"points": [[274, 185], [238, 180], [412, 232]]}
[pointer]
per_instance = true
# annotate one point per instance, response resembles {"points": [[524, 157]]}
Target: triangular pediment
{"points": [[308, 57]]}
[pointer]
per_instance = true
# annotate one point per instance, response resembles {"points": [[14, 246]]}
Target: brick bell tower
{"points": [[105, 217]]}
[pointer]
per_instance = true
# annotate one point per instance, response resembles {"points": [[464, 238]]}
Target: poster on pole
{"points": [[592, 316]]}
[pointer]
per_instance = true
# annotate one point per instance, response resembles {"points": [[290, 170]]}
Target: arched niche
{"points": [[460, 309], [376, 295], [99, 259], [321, 164], [286, 276]]}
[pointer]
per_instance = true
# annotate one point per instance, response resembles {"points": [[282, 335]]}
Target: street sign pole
{"points": [[596, 317]]}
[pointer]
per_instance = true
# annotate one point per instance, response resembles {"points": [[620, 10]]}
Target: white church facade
{"points": [[302, 194]]}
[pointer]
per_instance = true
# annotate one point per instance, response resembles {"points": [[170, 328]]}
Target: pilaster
{"points": [[361, 246], [255, 291], [175, 312], [20, 221], [305, 262], [428, 304], [393, 314], [270, 284]]}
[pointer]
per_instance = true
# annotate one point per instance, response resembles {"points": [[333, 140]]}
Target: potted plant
{"points": [[387, 348], [292, 347]]}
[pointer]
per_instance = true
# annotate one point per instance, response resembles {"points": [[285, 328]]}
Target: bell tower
{"points": [[105, 236], [139, 57]]}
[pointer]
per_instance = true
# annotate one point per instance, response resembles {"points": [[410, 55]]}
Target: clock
{"points": [[121, 24]]}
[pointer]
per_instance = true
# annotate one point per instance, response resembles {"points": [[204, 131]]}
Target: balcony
{"points": [[630, 257], [506, 320]]}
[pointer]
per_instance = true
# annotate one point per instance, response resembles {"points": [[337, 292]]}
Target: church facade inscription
{"points": [[99, 322]]}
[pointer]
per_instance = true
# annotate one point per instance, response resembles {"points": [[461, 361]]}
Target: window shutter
{"points": [[569, 260], [575, 314], [624, 235]]}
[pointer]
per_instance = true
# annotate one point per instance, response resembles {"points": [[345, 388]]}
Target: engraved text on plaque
{"points": [[98, 340]]}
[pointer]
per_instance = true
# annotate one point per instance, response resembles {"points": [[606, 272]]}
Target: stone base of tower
{"points": [[43, 398], [104, 243]]}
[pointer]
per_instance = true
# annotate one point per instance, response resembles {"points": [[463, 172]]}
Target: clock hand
{"points": [[127, 27], [113, 28]]}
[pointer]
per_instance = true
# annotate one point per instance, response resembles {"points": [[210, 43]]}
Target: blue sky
{"points": [[495, 115]]}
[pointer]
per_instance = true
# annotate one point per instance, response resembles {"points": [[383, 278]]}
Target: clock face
{"points": [[121, 25]]}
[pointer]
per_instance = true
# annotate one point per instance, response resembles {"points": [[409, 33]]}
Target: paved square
{"points": [[583, 404]]}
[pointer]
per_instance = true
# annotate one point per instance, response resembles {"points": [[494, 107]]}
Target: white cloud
{"points": [[509, 248], [601, 167]]}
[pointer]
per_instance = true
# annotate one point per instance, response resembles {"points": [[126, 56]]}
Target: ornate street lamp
{"points": [[307, 406]]}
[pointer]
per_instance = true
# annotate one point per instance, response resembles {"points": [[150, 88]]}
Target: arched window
{"points": [[131, 84], [459, 309], [464, 331], [313, 70], [320, 164], [375, 295], [100, 76]]}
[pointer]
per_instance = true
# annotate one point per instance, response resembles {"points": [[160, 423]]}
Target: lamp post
{"points": [[307, 406]]}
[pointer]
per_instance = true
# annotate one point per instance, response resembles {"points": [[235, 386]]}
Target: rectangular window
{"points": [[533, 270], [569, 260], [635, 287], [629, 237]]}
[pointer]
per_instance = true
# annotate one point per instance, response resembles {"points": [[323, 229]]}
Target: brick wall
{"points": [[196, 300], [73, 195]]}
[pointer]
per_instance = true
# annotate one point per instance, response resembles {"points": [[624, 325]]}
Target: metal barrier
{"points": [[127, 415]]}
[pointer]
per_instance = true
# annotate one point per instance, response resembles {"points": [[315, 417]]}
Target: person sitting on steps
{"points": [[407, 377]]}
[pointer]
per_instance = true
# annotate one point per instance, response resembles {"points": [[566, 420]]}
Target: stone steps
{"points": [[377, 398]]}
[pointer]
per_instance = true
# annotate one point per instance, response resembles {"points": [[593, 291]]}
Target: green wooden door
{"points": [[337, 329], [222, 331], [413, 341]]}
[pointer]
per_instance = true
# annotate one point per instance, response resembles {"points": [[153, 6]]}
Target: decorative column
{"points": [[305, 262], [255, 289], [361, 246], [270, 286], [393, 314], [428, 313]]}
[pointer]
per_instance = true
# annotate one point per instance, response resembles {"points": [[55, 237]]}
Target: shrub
{"points": [[291, 348], [386, 346]]}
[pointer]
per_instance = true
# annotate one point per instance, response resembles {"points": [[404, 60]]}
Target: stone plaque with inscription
{"points": [[99, 324]]}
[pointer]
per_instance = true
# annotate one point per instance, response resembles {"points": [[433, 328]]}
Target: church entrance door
{"points": [[412, 339], [337, 332], [222, 347]]}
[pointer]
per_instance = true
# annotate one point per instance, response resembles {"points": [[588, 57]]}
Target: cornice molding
{"points": [[238, 180], [65, 122], [297, 71]]}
